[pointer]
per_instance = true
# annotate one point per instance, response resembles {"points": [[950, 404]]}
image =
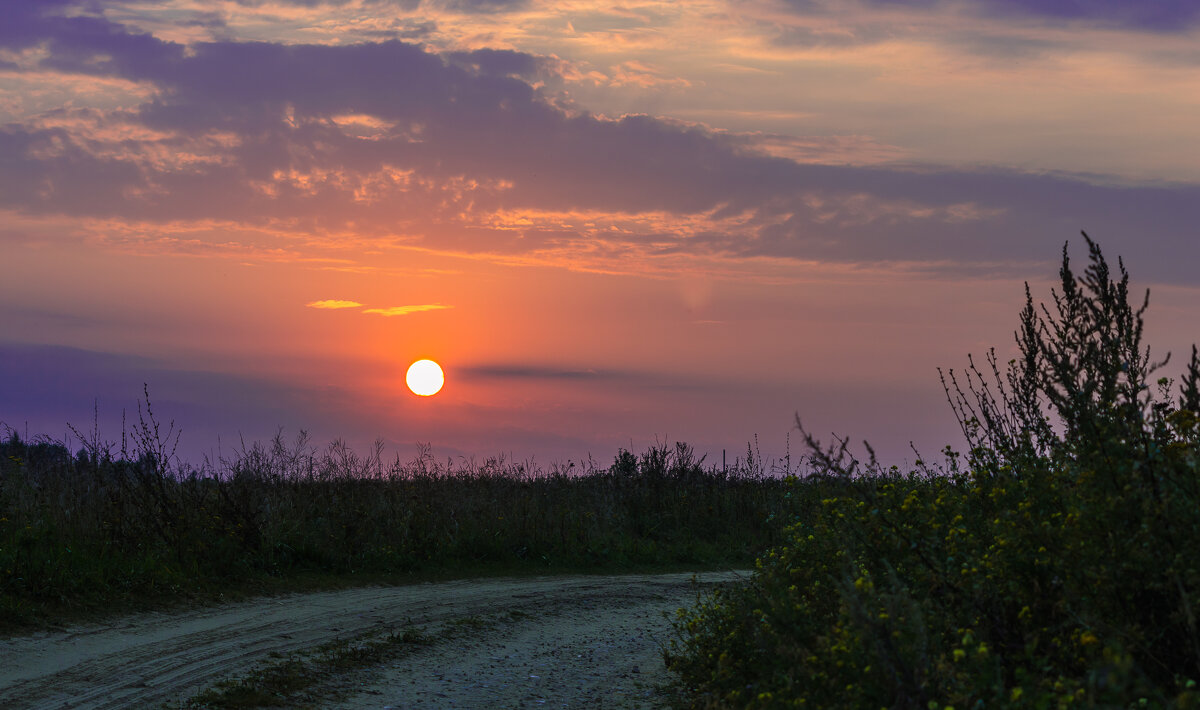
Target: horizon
{"points": [[611, 223]]}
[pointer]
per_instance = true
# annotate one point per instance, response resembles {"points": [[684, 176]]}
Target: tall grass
{"points": [[1055, 565], [109, 525]]}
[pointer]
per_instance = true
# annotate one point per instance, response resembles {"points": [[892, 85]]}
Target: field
{"points": [[105, 530]]}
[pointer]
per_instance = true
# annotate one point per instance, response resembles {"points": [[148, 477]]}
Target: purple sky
{"points": [[611, 222]]}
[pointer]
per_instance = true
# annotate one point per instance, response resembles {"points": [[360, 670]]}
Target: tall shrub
{"points": [[1054, 567]]}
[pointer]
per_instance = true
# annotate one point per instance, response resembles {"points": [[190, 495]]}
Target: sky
{"points": [[613, 223]]}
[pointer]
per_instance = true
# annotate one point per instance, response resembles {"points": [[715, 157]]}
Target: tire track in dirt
{"points": [[149, 659]]}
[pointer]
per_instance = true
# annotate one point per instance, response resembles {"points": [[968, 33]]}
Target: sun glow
{"points": [[425, 378]]}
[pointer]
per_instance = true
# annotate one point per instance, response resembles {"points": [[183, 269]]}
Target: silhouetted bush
{"points": [[1055, 565]]}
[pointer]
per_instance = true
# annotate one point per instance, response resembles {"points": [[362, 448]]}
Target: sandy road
{"points": [[578, 641]]}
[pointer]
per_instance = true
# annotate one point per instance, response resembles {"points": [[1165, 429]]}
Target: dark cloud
{"points": [[608, 378], [401, 29], [1160, 16], [25, 23], [1163, 16], [399, 4], [85, 44], [497, 62], [215, 22], [465, 6], [208, 20], [533, 372], [469, 134], [45, 383], [480, 6]]}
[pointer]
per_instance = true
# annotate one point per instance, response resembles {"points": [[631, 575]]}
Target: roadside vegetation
{"points": [[1056, 564], [108, 527]]}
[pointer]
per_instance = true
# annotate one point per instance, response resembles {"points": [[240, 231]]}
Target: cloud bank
{"points": [[395, 144]]}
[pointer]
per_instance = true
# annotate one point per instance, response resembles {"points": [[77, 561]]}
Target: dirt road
{"points": [[572, 641]]}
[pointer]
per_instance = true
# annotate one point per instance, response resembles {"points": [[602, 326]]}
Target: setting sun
{"points": [[425, 377]]}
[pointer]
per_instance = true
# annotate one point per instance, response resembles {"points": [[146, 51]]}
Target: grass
{"points": [[314, 677], [108, 528], [302, 679]]}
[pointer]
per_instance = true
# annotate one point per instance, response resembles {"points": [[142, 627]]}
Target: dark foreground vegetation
{"points": [[1055, 565], [115, 526]]}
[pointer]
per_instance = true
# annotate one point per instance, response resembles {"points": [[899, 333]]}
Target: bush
{"points": [[1055, 565]]}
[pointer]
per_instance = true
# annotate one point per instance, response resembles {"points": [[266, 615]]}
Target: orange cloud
{"points": [[334, 303], [405, 310], [645, 76]]}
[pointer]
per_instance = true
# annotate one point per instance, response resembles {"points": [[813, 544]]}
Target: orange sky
{"points": [[611, 223]]}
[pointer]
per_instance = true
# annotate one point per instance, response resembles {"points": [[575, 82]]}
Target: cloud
{"points": [[53, 386], [465, 6], [1165, 16], [337, 304], [480, 6], [334, 303], [405, 310], [834, 37], [635, 380], [395, 143], [644, 76], [534, 372]]}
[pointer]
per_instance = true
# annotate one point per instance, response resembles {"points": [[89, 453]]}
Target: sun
{"points": [[425, 377]]}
